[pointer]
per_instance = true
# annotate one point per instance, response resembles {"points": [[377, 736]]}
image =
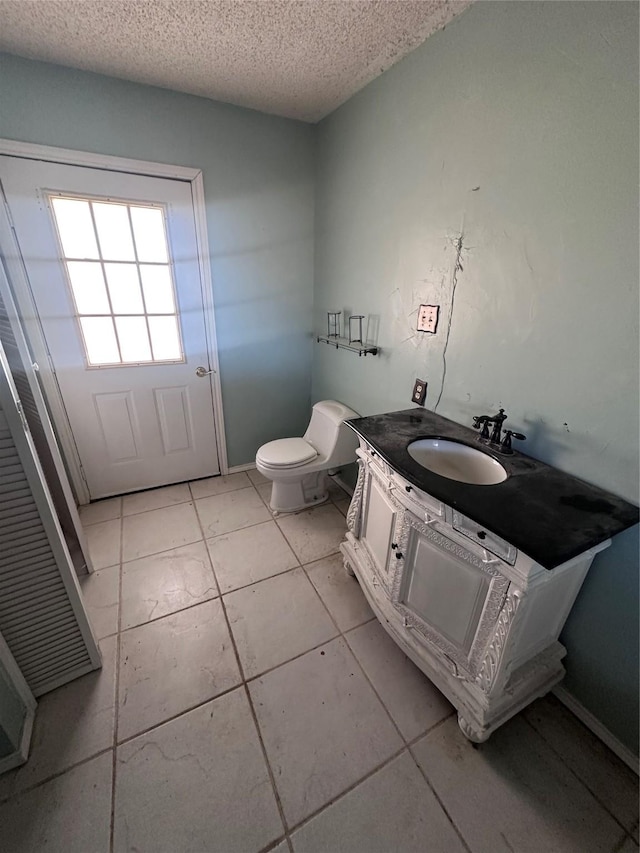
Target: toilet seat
{"points": [[286, 453]]}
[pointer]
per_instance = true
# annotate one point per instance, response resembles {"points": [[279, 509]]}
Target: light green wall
{"points": [[517, 129], [536, 105], [258, 177]]}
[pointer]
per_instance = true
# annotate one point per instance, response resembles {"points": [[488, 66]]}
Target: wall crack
{"points": [[457, 268]]}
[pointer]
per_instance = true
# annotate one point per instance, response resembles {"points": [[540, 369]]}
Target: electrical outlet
{"points": [[428, 318], [419, 392]]}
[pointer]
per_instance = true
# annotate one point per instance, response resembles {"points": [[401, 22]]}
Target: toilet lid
{"points": [[286, 453]]}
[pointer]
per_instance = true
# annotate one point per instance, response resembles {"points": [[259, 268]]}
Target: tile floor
{"points": [[249, 702]]}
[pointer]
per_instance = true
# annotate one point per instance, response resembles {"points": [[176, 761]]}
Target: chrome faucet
{"points": [[496, 433]]}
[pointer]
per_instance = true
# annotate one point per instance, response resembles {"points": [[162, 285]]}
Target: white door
{"points": [[113, 266]]}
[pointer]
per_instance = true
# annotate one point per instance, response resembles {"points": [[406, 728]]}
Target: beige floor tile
{"points": [[172, 664], [249, 555], [72, 723], [101, 594], [70, 814], [264, 490], [629, 846], [159, 530], [612, 782], [256, 477], [197, 783], [322, 725], [513, 793], [103, 539], [105, 510], [340, 592], [231, 511], [314, 533], [219, 485], [393, 810], [343, 505], [276, 619], [165, 583], [412, 700], [155, 498]]}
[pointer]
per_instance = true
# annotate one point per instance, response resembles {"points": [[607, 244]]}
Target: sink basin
{"points": [[457, 461]]}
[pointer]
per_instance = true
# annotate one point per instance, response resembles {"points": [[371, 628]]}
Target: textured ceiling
{"points": [[292, 58]]}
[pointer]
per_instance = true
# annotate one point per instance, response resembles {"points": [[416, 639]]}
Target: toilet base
{"points": [[295, 495]]}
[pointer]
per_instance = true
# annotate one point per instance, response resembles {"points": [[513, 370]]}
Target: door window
{"points": [[121, 280]]}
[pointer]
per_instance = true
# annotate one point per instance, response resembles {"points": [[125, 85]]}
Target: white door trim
{"points": [[24, 298]]}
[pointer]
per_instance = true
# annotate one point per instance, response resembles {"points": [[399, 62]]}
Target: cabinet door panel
{"points": [[444, 591], [378, 526], [447, 594]]}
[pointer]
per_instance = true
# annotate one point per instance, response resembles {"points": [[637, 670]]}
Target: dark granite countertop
{"points": [[549, 515]]}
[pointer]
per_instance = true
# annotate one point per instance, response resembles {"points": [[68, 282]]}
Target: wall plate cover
{"points": [[419, 392], [428, 318]]}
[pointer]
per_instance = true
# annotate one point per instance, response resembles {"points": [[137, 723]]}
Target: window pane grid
{"points": [[140, 288], [91, 346], [117, 298]]}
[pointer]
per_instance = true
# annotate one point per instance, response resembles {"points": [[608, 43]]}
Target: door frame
{"points": [[26, 304]]}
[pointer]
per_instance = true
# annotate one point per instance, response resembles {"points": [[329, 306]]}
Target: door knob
{"points": [[202, 371]]}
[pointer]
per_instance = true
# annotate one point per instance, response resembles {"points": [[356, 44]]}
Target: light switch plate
{"points": [[428, 318], [419, 392]]}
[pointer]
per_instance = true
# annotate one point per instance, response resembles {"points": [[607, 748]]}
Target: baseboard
{"points": [[237, 469], [600, 731], [21, 754], [250, 466], [338, 479]]}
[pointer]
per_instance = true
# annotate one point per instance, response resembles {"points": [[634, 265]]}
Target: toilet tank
{"points": [[328, 434]]}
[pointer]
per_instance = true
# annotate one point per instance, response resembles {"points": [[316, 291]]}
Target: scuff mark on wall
{"points": [[606, 40], [526, 255]]}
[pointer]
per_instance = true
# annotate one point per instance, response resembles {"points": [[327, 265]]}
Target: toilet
{"points": [[298, 466]]}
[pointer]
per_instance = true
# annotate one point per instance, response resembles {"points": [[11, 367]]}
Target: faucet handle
{"points": [[505, 447], [482, 421]]}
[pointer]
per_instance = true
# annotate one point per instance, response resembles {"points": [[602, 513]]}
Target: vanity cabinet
{"points": [[480, 618]]}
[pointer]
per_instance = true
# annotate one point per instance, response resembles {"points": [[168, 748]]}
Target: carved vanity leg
{"points": [[348, 569], [354, 511], [470, 732]]}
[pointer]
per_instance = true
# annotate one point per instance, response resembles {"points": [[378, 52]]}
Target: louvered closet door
{"points": [[34, 408], [42, 616]]}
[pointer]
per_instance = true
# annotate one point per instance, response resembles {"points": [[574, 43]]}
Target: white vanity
{"points": [[477, 615]]}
